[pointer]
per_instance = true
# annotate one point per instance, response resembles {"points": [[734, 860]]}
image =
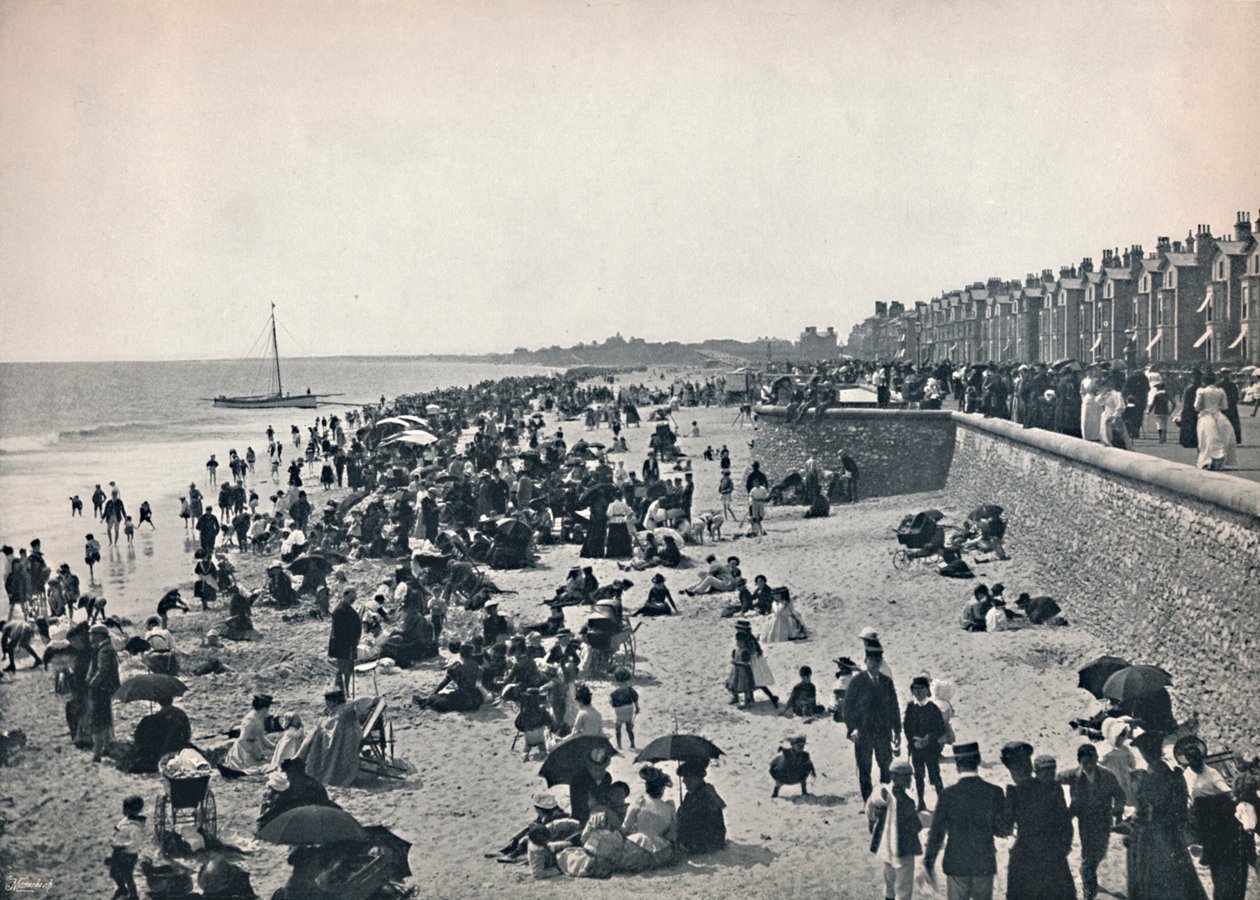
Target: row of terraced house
{"points": [[1194, 301]]}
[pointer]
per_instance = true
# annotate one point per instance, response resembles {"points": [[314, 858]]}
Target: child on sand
{"points": [[129, 529], [625, 704], [76, 506], [185, 512], [128, 841], [91, 554], [803, 701], [792, 765]]}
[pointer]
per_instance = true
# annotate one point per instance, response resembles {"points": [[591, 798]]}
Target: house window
{"points": [[1146, 284], [1220, 271], [1246, 301], [1172, 278], [1110, 290]]}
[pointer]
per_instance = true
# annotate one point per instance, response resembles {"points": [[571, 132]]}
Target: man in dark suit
{"points": [[969, 815], [1097, 804], [872, 719]]}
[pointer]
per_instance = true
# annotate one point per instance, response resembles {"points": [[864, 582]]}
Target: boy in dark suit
{"points": [[969, 815]]}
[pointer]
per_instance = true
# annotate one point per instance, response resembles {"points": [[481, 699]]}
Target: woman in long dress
{"points": [[651, 820], [1188, 418], [1160, 867], [620, 522], [784, 624], [1111, 430], [251, 753], [1215, 433], [1091, 407]]}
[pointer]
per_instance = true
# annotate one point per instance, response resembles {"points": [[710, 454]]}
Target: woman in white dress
{"points": [[250, 753], [1091, 406], [290, 742], [783, 624], [651, 820], [1111, 430], [1216, 434]]}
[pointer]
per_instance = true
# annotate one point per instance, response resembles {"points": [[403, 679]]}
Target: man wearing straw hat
{"points": [[872, 718], [969, 815]]}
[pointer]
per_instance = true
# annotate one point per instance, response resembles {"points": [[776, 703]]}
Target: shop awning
{"points": [[1203, 339], [1207, 301], [1159, 333], [1097, 342], [1242, 333]]}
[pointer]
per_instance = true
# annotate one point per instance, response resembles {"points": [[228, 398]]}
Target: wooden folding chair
{"points": [[376, 754]]}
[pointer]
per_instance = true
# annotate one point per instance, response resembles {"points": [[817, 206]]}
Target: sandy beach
{"points": [[470, 790]]}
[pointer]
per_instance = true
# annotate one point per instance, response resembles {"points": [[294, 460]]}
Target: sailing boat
{"points": [[277, 398]]}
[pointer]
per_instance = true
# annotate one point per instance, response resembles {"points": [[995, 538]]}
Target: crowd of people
{"points": [[489, 485]]}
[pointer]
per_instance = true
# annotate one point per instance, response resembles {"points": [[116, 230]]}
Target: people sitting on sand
{"points": [[331, 750], [659, 600], [493, 624], [289, 742], [590, 786], [166, 730], [651, 822], [987, 533], [784, 624], [792, 765], [280, 587], [546, 811], [251, 752], [1040, 610], [701, 821], [464, 677], [411, 640], [975, 612], [720, 577], [587, 720], [239, 625], [997, 618], [289, 788], [533, 722], [803, 700], [523, 672]]}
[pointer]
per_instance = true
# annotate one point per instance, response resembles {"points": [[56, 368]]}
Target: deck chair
{"points": [[1225, 762], [376, 755]]}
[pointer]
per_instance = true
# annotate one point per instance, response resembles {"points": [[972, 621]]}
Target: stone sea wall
{"points": [[897, 452], [1158, 559]]}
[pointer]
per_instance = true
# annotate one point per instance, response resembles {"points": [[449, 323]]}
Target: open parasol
{"points": [[1135, 682], [151, 687], [571, 756], [1094, 675], [419, 437], [679, 747], [314, 825], [310, 565]]}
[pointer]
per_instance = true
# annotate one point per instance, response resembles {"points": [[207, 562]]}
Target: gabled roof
{"points": [[1071, 284], [1182, 260], [1034, 291], [1119, 273], [1093, 277], [1234, 248]]}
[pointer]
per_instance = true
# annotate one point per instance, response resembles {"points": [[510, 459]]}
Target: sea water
{"points": [[150, 427]]}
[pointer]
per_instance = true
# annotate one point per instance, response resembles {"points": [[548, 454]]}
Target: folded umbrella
{"points": [[571, 756], [314, 825], [679, 747], [1094, 675], [1135, 681], [150, 687]]}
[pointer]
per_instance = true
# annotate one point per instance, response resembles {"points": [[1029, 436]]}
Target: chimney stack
{"points": [[1106, 258], [881, 309], [1162, 244], [1176, 246], [1066, 272], [1030, 280], [1124, 260], [1087, 265], [1047, 275], [1242, 228], [1135, 252]]}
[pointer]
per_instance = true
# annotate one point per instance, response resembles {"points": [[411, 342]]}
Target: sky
{"points": [[450, 177]]}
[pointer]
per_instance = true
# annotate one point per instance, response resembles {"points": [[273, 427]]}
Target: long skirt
{"points": [[618, 545], [1216, 440], [739, 680], [593, 546], [761, 674]]}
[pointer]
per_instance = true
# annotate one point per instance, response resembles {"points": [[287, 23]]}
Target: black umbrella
{"points": [[1135, 682], [430, 560], [334, 557], [985, 511], [679, 747], [571, 757], [313, 825], [1095, 675], [512, 529], [348, 501], [394, 847], [603, 492], [150, 687], [310, 565]]}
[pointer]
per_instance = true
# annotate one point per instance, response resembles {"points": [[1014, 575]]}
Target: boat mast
{"points": [[275, 351]]}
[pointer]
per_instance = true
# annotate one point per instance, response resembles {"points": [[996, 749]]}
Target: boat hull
{"points": [[300, 401]]}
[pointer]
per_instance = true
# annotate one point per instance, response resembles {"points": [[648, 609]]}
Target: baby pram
{"points": [[919, 537]]}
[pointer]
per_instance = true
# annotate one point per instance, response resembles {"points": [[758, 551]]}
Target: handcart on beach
{"points": [[187, 798]]}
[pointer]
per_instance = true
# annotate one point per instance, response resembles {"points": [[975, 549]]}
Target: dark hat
{"points": [[693, 767], [1184, 744], [873, 647], [337, 696], [1149, 741], [844, 663], [969, 750], [1015, 751], [564, 632], [658, 578], [743, 625], [920, 681], [265, 699], [293, 764]]}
